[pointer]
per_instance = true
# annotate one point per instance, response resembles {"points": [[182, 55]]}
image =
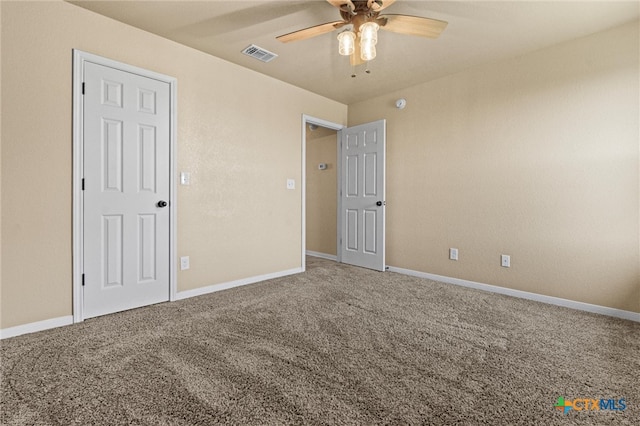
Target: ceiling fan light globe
{"points": [[346, 43], [367, 51], [369, 32]]}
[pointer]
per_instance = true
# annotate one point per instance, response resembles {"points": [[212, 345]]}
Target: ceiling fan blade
{"points": [[412, 25], [356, 59], [310, 32], [377, 7]]}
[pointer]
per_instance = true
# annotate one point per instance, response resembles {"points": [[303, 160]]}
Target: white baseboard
{"points": [[245, 281], [33, 327], [322, 255], [581, 306]]}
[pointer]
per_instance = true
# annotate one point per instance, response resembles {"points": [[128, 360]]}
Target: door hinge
{"points": [[83, 184], [83, 87], [82, 280]]}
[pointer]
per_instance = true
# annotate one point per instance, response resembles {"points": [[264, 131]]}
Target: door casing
{"points": [[80, 58]]}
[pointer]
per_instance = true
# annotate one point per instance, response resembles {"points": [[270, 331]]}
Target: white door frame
{"points": [[79, 60], [307, 119]]}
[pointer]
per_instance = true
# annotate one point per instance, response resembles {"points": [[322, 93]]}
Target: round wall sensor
{"points": [[401, 103]]}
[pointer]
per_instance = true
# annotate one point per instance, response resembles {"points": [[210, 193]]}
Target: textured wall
{"points": [[536, 157], [238, 135], [322, 192]]}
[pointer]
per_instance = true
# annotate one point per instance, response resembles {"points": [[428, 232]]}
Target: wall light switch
{"points": [[453, 253], [185, 178], [184, 263], [291, 184]]}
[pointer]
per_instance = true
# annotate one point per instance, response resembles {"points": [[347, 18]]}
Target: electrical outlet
{"points": [[505, 261], [184, 263], [291, 184], [453, 253]]}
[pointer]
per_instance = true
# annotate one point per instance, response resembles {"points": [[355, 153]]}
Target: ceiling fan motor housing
{"points": [[361, 8]]}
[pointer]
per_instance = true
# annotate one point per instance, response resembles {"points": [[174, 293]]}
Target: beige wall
{"points": [[536, 157], [322, 192], [238, 135]]}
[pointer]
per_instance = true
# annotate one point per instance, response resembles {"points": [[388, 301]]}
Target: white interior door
{"points": [[126, 190], [362, 195]]}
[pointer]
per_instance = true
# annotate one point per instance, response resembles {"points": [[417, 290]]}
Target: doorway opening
{"points": [[320, 219], [322, 192]]}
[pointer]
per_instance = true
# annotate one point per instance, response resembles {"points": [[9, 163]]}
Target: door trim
{"points": [[79, 60], [307, 119]]}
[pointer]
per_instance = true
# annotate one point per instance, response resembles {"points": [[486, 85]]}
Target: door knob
{"points": [[379, 203], [162, 203]]}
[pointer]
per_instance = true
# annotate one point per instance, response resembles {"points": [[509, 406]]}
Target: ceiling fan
{"points": [[364, 16]]}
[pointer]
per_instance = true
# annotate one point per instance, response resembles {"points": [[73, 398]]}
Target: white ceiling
{"points": [[478, 32]]}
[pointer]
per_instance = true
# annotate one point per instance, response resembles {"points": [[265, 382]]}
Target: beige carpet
{"points": [[335, 345]]}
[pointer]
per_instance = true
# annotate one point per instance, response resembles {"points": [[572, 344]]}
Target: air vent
{"points": [[259, 53]]}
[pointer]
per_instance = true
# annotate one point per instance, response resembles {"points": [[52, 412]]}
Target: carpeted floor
{"points": [[335, 345]]}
